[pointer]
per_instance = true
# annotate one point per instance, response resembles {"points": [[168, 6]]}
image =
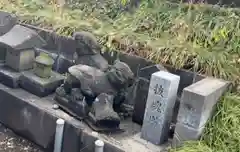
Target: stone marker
{"points": [[159, 108], [138, 97], [196, 106]]}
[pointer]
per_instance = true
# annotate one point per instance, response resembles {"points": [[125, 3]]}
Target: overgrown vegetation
{"points": [[196, 37]]}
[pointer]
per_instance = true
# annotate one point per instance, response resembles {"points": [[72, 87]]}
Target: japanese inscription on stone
{"points": [[161, 97], [158, 90]]}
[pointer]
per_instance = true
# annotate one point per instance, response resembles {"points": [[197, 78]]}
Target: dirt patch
{"points": [[10, 142]]}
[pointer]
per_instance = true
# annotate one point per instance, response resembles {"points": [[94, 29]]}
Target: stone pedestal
{"points": [[140, 91], [196, 106], [74, 108], [40, 86], [159, 108], [9, 77]]}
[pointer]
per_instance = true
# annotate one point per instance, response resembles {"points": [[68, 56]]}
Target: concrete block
{"points": [[185, 133], [9, 77], [198, 101], [161, 99], [40, 86], [24, 119], [35, 119]]}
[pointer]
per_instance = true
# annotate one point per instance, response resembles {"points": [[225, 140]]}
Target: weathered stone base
{"points": [[9, 77], [73, 108], [40, 86]]}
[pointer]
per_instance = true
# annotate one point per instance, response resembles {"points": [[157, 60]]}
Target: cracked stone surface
{"points": [[9, 142]]}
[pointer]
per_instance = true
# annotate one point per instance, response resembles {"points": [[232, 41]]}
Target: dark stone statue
{"points": [[97, 95], [88, 50]]}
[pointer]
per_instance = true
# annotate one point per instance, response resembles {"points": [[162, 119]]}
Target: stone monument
{"points": [[161, 98], [94, 95], [19, 43], [41, 80]]}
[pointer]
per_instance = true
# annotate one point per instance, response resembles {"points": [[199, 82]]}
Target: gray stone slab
{"points": [[40, 86], [9, 77], [198, 101], [140, 99], [161, 99], [185, 133]]}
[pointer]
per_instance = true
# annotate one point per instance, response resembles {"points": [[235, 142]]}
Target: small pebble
{"points": [[55, 106]]}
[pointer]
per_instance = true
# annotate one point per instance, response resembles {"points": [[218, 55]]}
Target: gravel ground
{"points": [[9, 142]]}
